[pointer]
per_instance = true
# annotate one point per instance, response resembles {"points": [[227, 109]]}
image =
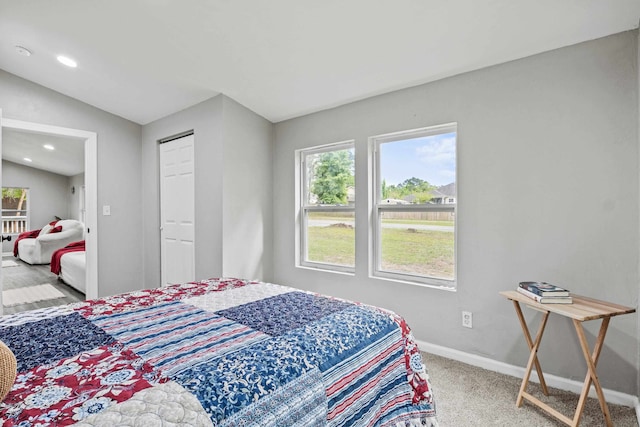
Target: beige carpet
{"points": [[470, 396], [30, 294]]}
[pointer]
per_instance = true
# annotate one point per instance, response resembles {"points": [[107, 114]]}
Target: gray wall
{"points": [[548, 190], [247, 193], [205, 120], [119, 185], [638, 99], [48, 194], [233, 189], [75, 181]]}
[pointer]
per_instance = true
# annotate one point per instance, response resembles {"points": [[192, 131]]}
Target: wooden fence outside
{"points": [[421, 216]]}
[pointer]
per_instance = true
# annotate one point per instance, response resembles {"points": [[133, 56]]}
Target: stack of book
{"points": [[545, 293]]}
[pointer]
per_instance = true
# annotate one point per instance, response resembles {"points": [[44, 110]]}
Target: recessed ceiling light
{"points": [[23, 51], [67, 61], [26, 159], [49, 147]]}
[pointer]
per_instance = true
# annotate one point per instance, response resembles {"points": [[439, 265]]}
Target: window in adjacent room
{"points": [[15, 210], [326, 208], [414, 205]]}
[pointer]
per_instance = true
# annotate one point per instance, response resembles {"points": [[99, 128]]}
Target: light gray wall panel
{"points": [[247, 193], [205, 119], [233, 215], [119, 185], [638, 100], [548, 190], [76, 182]]}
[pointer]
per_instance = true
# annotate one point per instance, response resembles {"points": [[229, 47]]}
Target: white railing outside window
{"points": [[15, 210], [14, 222]]}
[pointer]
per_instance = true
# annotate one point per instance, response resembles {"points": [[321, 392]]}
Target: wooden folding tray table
{"points": [[581, 310]]}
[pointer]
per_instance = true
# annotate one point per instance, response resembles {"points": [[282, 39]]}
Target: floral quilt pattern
{"points": [[48, 340], [281, 313], [72, 389], [219, 352]]}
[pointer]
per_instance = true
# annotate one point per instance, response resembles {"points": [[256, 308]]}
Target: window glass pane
{"points": [[329, 178], [418, 243], [331, 238], [418, 170]]}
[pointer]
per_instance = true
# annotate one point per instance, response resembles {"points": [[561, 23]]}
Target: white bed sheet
{"points": [[73, 270]]}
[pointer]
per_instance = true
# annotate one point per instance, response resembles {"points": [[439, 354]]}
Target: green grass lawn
{"points": [[331, 245], [421, 252]]}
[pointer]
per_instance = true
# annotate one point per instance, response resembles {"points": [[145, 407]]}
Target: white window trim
{"points": [[28, 221], [302, 208], [376, 208]]}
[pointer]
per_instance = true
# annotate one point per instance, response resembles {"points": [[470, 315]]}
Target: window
{"points": [[326, 208], [15, 212], [414, 205]]}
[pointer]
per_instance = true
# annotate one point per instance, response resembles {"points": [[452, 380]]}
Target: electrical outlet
{"points": [[467, 319]]}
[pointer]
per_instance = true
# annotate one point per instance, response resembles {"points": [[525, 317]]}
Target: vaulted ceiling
{"points": [[144, 59]]}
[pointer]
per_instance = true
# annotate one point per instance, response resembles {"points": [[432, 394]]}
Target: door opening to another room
{"points": [[53, 195]]}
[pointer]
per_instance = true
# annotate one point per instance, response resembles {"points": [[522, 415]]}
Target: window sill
{"points": [[444, 285], [327, 269]]}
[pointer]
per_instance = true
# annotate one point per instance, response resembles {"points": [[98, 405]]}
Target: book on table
{"points": [[544, 289], [546, 300]]}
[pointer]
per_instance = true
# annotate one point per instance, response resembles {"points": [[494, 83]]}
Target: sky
{"points": [[431, 158]]}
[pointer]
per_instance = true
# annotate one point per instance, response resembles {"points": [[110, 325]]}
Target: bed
{"points": [[70, 264], [219, 352], [73, 270]]}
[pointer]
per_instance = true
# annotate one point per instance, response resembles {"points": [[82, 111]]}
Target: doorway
{"points": [[88, 188]]}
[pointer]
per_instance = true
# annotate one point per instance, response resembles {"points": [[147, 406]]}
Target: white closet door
{"points": [[177, 205]]}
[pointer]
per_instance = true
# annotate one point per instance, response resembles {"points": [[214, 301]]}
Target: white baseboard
{"points": [[561, 383]]}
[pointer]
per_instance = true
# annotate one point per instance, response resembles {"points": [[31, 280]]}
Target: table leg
{"points": [[533, 356], [592, 376]]}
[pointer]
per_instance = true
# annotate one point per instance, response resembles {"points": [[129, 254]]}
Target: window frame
{"points": [[303, 208], [376, 208], [28, 214]]}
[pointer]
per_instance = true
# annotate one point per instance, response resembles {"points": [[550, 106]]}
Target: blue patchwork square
{"points": [[341, 335], [281, 313], [49, 340], [235, 381]]}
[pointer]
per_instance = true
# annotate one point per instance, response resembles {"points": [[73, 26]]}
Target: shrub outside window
{"points": [[414, 205], [327, 214]]}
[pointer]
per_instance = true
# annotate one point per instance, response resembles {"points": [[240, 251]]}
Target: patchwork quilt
{"points": [[220, 352]]}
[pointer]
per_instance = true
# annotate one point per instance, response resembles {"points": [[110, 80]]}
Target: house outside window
{"points": [[327, 207], [414, 198]]}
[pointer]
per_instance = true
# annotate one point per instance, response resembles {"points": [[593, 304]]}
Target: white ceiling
{"points": [[67, 158], [144, 59]]}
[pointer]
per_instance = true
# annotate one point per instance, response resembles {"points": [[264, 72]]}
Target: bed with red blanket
{"points": [[70, 264], [219, 352]]}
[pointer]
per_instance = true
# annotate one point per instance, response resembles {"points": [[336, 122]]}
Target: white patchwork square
{"points": [[35, 315], [216, 301], [166, 405]]}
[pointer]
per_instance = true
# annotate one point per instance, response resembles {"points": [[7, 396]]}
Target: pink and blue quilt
{"points": [[220, 352]]}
